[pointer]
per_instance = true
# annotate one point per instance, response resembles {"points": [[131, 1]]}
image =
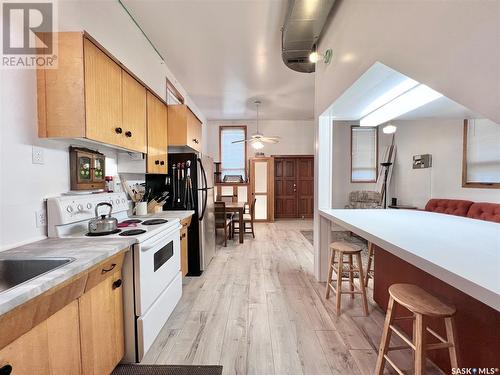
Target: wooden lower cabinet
{"points": [[184, 245], [184, 251], [84, 337], [52, 347], [101, 326]]}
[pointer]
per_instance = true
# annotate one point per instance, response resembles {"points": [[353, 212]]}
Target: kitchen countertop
{"points": [[181, 215], [87, 252], [460, 251]]}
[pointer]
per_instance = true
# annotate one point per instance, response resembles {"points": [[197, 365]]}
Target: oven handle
{"points": [[146, 246]]}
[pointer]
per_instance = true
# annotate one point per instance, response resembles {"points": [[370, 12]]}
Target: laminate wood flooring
{"points": [[258, 310]]}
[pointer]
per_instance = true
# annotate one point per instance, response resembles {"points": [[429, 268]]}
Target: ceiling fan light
{"points": [[258, 145]]}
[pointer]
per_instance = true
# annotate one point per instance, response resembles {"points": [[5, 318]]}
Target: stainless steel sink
{"points": [[17, 271]]}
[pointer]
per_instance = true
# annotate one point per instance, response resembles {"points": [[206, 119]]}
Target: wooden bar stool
{"points": [[350, 250], [369, 267], [422, 305]]}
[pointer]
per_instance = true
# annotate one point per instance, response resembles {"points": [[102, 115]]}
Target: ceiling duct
{"points": [[303, 25]]}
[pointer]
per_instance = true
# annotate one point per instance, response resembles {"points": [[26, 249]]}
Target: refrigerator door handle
{"points": [[204, 189]]}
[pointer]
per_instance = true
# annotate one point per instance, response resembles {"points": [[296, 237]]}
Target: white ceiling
{"points": [[227, 54], [378, 80]]}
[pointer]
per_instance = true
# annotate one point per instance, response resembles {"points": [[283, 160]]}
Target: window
{"points": [[481, 156], [233, 156], [364, 154]]}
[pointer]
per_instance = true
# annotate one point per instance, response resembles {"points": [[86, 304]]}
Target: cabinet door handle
{"points": [[157, 162], [118, 130], [128, 134], [117, 284], [162, 162], [104, 270], [196, 141], [6, 370]]}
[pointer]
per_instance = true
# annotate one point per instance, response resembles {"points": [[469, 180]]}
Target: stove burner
{"points": [[132, 232], [103, 233], [131, 221], [155, 222]]}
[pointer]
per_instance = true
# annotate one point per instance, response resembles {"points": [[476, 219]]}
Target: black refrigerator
{"points": [[190, 186]]}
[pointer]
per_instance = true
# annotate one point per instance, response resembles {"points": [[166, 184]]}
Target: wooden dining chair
{"points": [[222, 221], [248, 218], [225, 198]]}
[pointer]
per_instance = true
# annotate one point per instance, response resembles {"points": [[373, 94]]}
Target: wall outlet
{"points": [[41, 219], [37, 155]]}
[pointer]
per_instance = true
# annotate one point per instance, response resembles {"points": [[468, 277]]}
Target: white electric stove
{"points": [[152, 279]]}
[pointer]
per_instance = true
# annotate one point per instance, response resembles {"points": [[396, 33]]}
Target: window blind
{"points": [[232, 154], [363, 154], [483, 151]]}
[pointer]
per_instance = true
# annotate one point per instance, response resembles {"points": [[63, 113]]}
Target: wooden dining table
{"points": [[238, 207]]}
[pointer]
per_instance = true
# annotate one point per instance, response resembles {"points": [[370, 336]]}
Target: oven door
{"points": [[156, 264]]}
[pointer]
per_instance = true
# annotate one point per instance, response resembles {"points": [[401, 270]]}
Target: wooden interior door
{"points": [[103, 96], [294, 186], [285, 180], [305, 187], [262, 187]]}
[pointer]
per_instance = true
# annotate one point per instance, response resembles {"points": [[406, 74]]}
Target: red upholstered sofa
{"points": [[474, 210]]}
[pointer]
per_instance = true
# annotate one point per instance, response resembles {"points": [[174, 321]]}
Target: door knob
{"points": [[118, 130], [128, 134], [162, 162], [157, 162]]}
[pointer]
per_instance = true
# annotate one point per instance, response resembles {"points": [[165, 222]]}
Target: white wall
{"points": [[297, 137], [440, 138], [23, 185], [443, 140]]}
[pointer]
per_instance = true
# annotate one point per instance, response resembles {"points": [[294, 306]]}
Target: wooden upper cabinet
{"points": [[157, 115], [134, 113], [185, 127], [103, 96], [90, 96]]}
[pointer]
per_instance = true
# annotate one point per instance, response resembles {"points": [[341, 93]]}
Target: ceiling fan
{"points": [[258, 139]]}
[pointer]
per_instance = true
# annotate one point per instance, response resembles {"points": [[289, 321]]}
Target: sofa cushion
{"points": [[485, 211], [449, 206]]}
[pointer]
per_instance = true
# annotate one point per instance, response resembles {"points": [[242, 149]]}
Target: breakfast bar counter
{"points": [[455, 258]]}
